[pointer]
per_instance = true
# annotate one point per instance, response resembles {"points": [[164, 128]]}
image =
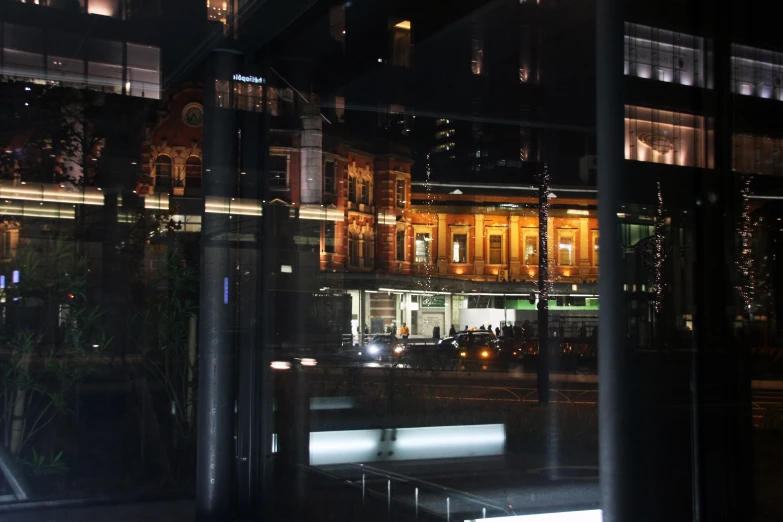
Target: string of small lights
{"points": [[425, 283], [658, 253], [747, 286], [543, 231]]}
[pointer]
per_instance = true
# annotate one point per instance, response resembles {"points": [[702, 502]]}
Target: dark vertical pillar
{"points": [[614, 408], [215, 461], [293, 428], [253, 426], [723, 443]]}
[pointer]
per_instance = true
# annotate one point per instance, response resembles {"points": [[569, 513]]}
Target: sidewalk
{"points": [[159, 511]]}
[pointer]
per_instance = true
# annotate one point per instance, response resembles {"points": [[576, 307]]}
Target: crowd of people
{"points": [[507, 331]]}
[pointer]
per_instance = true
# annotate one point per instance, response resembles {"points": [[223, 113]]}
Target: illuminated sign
{"points": [[248, 79]]}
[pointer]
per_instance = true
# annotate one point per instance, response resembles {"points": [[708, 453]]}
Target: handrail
{"points": [[429, 485]]}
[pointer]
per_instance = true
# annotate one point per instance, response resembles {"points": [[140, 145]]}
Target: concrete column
{"points": [[443, 241], [584, 248], [478, 260], [311, 175], [514, 261]]}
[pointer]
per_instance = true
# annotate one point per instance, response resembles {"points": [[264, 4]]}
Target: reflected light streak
{"points": [[320, 213], [233, 206], [51, 193], [40, 211], [157, 202], [592, 515]]}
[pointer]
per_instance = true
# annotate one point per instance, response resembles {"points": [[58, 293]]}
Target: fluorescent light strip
{"points": [[51, 193], [41, 211], [340, 447], [592, 515], [157, 202], [233, 206]]}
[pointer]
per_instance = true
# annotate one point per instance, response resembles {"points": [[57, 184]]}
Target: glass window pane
{"points": [[143, 71], [104, 67]]}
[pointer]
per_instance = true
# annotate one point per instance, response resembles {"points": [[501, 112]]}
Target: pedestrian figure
{"points": [[452, 331], [404, 332]]}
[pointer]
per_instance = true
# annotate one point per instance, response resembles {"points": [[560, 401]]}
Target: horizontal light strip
{"points": [[592, 515], [317, 212], [41, 210], [157, 202], [51, 193], [233, 206], [499, 186], [342, 447]]}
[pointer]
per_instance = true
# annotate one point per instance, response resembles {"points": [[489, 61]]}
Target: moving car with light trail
{"points": [[383, 348], [477, 349]]}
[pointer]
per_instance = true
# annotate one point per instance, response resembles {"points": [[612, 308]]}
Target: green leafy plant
{"points": [[41, 465], [52, 334]]}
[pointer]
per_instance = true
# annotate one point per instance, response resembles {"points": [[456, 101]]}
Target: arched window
{"points": [[193, 172], [364, 191], [367, 251], [163, 172]]}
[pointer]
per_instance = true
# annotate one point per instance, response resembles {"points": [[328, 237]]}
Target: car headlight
{"points": [[455, 343], [463, 354], [373, 349], [485, 354], [399, 349]]}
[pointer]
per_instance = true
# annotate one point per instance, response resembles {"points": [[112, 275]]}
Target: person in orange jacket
{"points": [[405, 332]]}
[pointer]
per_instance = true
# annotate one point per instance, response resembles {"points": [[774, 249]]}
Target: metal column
{"points": [[614, 409], [215, 460]]}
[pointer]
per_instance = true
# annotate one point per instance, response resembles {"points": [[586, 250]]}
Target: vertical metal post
{"points": [[388, 496], [448, 509], [416, 502], [483, 512], [614, 411], [363, 487], [215, 460]]}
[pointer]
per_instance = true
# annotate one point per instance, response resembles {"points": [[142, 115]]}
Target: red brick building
{"points": [[378, 229]]}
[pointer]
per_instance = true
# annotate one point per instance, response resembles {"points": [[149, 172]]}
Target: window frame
{"points": [[399, 244], [191, 168], [464, 233], [287, 157], [352, 182], [170, 174], [400, 201], [570, 234], [490, 235], [327, 248], [531, 232], [426, 241], [330, 187]]}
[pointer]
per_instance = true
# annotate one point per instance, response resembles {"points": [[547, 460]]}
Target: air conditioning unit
{"points": [[503, 276]]}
